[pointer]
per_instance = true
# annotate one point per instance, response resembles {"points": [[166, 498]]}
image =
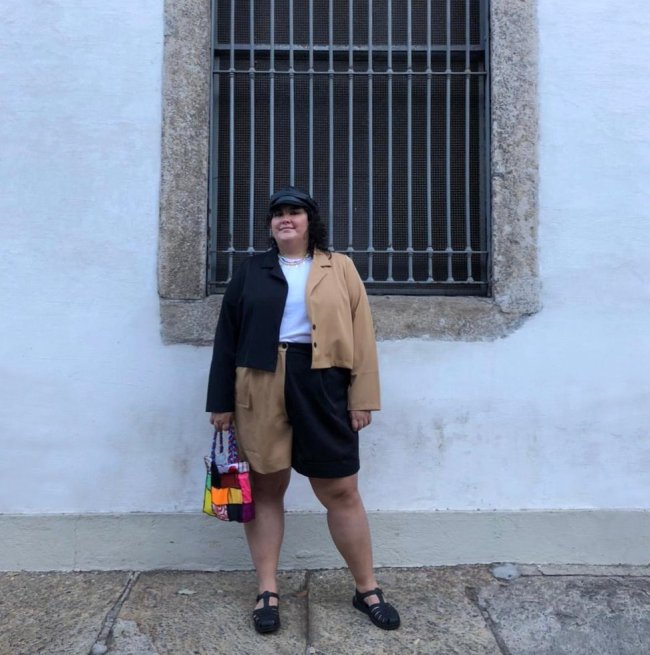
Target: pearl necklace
{"points": [[285, 261]]}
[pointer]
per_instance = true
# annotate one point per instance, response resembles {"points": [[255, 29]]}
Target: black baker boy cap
{"points": [[291, 195]]}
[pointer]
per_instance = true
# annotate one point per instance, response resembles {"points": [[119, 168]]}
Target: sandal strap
{"points": [[265, 595], [373, 592]]}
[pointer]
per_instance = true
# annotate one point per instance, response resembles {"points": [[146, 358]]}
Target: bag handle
{"points": [[233, 451]]}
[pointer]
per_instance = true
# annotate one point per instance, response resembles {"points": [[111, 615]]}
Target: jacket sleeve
{"points": [[364, 384], [221, 381]]}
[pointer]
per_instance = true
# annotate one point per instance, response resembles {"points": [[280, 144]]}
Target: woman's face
{"points": [[290, 226]]}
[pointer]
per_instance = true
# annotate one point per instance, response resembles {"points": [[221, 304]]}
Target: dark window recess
{"points": [[382, 117]]}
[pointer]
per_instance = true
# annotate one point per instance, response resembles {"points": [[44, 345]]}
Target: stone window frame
{"points": [[188, 314]]}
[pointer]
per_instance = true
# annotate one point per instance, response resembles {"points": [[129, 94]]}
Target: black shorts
{"points": [[316, 401], [296, 417]]}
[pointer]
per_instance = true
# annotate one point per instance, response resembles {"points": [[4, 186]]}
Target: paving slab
{"points": [[591, 615], [55, 613], [590, 569], [201, 613], [438, 615]]}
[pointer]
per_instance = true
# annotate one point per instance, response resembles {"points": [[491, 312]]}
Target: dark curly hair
{"points": [[317, 231]]}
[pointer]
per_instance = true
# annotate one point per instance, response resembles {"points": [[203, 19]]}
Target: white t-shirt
{"points": [[295, 326]]}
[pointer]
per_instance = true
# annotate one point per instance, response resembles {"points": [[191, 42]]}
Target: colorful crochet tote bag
{"points": [[227, 492]]}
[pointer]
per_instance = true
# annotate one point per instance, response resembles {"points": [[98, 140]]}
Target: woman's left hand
{"points": [[359, 419]]}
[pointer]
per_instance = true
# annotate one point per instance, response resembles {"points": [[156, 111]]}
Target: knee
{"points": [[343, 497], [272, 485]]}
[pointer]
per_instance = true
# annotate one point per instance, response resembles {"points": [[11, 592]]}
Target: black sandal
{"points": [[267, 618], [382, 614]]}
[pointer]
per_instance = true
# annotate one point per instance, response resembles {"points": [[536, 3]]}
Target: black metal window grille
{"points": [[380, 110]]}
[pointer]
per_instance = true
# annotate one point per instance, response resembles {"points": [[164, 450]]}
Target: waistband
{"points": [[295, 347]]}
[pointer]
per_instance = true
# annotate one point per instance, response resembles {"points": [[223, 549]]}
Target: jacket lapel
{"points": [[321, 266], [272, 264]]}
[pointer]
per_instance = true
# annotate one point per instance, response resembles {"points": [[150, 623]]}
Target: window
{"points": [[188, 313], [379, 109]]}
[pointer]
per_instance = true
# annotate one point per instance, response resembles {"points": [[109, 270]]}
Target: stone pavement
{"points": [[462, 610]]}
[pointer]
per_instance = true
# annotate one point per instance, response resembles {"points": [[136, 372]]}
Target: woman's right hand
{"points": [[222, 420]]}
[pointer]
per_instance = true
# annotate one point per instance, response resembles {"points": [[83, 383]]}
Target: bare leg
{"points": [[348, 525], [264, 534]]}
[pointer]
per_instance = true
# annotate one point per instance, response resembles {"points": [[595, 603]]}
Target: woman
{"points": [[295, 367]]}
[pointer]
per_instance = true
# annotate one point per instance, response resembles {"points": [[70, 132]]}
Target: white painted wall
{"points": [[96, 415]]}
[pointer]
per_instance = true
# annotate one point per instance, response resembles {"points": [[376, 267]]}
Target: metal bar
{"points": [[455, 288], [330, 121], [485, 146], [251, 166], [468, 226], [448, 146], [363, 73], [483, 179], [272, 101], [370, 150], [416, 251], [214, 159], [292, 116], [429, 154], [484, 26], [231, 153], [311, 97], [389, 273], [406, 288], [343, 49], [350, 125], [214, 176], [409, 144]]}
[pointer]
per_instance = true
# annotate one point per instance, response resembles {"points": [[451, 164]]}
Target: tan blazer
{"points": [[342, 329]]}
